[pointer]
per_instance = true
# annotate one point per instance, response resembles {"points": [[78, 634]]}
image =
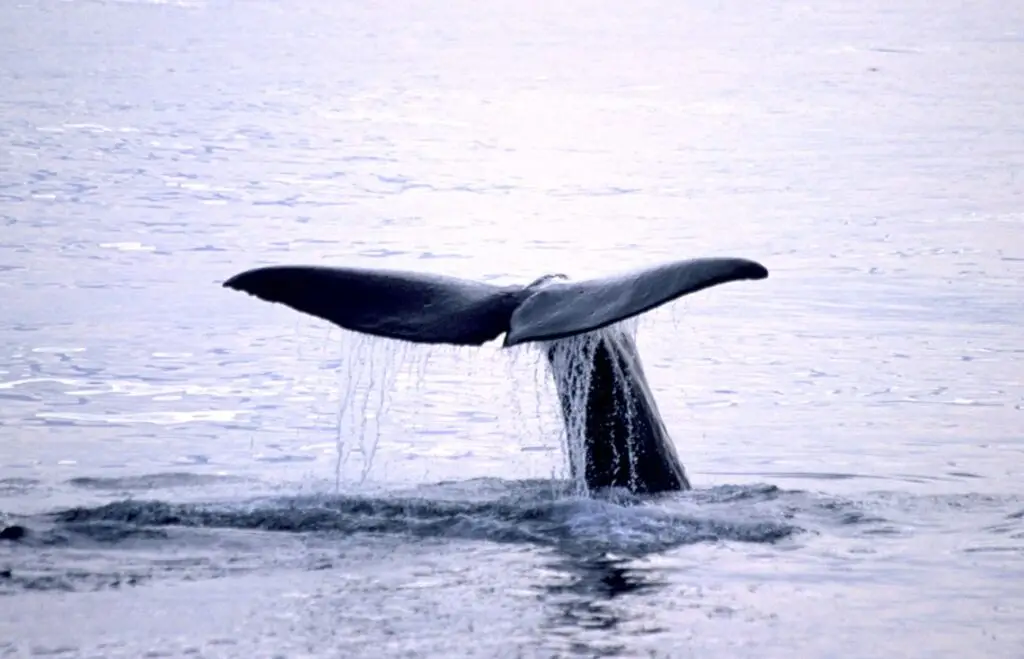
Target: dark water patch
{"points": [[18, 398], [1019, 549], [883, 531], [1010, 525], [830, 476], [12, 487], [41, 534], [966, 501], [848, 516], [13, 581], [152, 481], [285, 457], [895, 51], [102, 533], [49, 568], [13, 533], [728, 493]]}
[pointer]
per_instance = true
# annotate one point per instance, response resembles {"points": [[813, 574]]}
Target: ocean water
{"points": [[199, 473]]}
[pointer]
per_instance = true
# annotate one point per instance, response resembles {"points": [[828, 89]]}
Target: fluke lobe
{"points": [[616, 435]]}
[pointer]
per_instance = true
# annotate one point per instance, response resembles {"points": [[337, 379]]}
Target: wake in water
{"points": [[538, 514], [531, 512], [71, 549], [130, 541]]}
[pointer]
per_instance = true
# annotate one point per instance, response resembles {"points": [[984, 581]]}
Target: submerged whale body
{"points": [[619, 439]]}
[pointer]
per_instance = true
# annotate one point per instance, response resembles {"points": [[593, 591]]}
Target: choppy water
{"points": [[180, 455]]}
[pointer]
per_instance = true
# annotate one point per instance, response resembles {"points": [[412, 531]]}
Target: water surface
{"points": [[852, 424]]}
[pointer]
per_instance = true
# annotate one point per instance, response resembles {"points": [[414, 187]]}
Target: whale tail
{"points": [[615, 435], [425, 308]]}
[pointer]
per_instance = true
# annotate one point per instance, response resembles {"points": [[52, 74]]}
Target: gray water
{"points": [[204, 474]]}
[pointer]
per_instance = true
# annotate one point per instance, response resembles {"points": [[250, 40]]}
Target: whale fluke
{"points": [[620, 439], [425, 308]]}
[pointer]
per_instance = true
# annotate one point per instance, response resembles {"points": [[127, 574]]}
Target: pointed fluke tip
{"points": [[754, 270], [251, 279], [272, 283]]}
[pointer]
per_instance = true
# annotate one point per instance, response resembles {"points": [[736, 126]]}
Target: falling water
{"points": [[572, 365], [571, 362], [371, 373]]}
